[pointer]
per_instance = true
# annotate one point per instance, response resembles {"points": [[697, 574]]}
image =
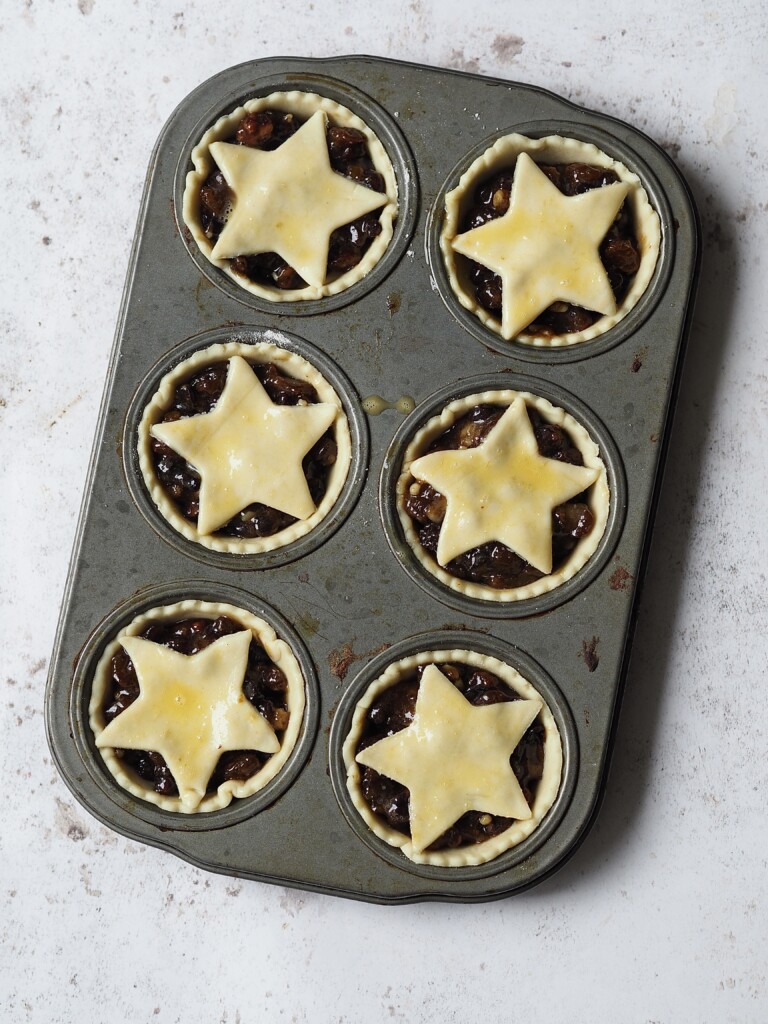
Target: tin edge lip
{"points": [[392, 138], [617, 485], [537, 676], [350, 493], [114, 802], [629, 324]]}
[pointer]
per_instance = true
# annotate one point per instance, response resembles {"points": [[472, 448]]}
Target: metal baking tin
{"points": [[397, 333]]}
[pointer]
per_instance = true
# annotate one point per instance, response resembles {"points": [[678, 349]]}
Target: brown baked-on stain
{"points": [[342, 658], [620, 579], [393, 302], [462, 627], [589, 653], [637, 364]]}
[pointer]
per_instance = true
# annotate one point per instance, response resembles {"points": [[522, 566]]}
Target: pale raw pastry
{"points": [[191, 708], [247, 449], [289, 200], [545, 247], [454, 757], [504, 491]]}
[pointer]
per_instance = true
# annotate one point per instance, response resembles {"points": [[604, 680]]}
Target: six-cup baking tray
{"points": [[355, 602]]}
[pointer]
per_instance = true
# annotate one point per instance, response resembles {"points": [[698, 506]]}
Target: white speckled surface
{"points": [[661, 916]]}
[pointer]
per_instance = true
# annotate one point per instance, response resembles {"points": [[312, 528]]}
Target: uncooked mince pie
{"points": [[549, 241], [453, 757], [196, 703], [244, 447], [503, 496], [292, 196]]}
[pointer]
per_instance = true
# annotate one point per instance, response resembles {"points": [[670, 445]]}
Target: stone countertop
{"points": [[661, 915]]}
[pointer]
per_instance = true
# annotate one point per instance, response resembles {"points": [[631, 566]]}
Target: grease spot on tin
{"points": [[374, 405]]}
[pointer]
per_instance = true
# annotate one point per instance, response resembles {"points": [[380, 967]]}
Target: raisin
{"points": [[386, 798], [255, 129], [393, 710], [284, 390], [345, 144], [574, 519], [622, 253], [238, 765]]}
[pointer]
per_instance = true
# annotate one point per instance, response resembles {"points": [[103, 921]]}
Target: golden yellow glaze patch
{"points": [[191, 709]]}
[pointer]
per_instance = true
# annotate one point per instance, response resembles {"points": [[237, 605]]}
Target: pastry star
{"points": [[454, 758], [247, 449], [545, 247], [503, 490], [191, 708], [289, 200]]}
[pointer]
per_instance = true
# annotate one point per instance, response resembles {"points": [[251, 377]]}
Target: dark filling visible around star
{"points": [[264, 685], [394, 709], [494, 564], [619, 251], [348, 152], [198, 394]]}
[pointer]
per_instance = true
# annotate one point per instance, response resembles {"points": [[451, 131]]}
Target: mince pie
{"points": [[196, 703], [292, 196], [244, 448], [503, 496], [549, 241], [453, 757]]}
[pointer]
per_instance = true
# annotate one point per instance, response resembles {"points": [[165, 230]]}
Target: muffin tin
{"points": [[349, 597]]}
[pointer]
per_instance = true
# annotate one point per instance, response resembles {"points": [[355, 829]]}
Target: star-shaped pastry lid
{"points": [[545, 248], [504, 490], [289, 200], [454, 758], [303, 106], [500, 158], [463, 717], [247, 449], [227, 716], [190, 709]]}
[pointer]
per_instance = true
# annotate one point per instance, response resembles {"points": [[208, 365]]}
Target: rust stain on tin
{"points": [[342, 658], [620, 579], [461, 627], [589, 653]]}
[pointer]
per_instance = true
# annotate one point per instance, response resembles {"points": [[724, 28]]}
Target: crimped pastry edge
{"points": [[547, 790], [550, 149], [278, 651], [260, 352], [304, 104], [599, 494]]}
